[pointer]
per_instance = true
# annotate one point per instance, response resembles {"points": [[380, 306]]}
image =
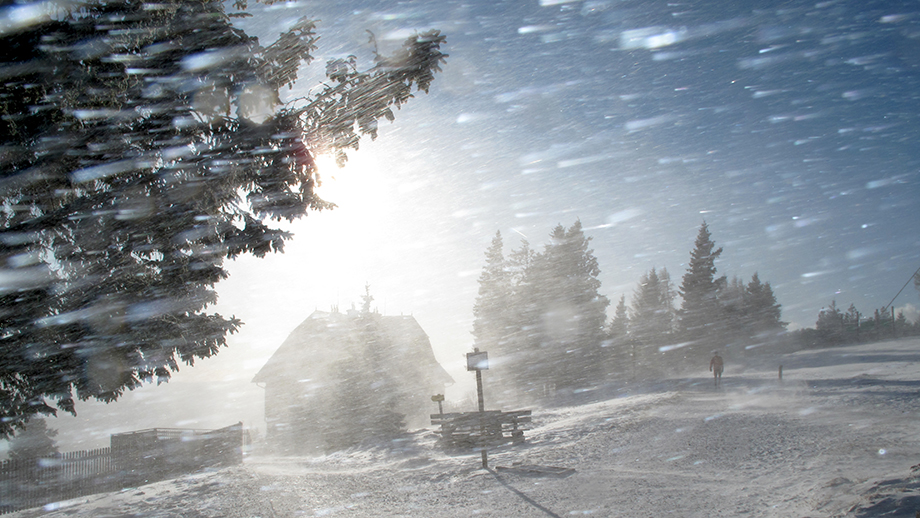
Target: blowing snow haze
{"points": [[791, 129]]}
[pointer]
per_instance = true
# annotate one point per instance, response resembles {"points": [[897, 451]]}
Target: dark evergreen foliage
{"points": [[493, 324], [750, 312], [569, 313], [34, 441], [762, 312], [618, 329], [650, 322], [650, 318], [552, 332], [700, 311], [142, 145], [490, 312], [363, 392]]}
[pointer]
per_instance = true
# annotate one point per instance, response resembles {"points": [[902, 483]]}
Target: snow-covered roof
{"points": [[326, 338]]}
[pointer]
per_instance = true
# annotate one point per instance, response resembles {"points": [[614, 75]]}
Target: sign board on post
{"points": [[477, 361]]}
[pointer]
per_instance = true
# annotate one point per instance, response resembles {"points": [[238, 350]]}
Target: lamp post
{"points": [[479, 361]]}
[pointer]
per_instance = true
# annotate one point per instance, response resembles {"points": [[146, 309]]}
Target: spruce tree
{"points": [[519, 262], [618, 356], [667, 294], [490, 311], [762, 311], [514, 373], [734, 321], [700, 312], [618, 329], [33, 441], [563, 306], [831, 325], [650, 319], [492, 321], [143, 145]]}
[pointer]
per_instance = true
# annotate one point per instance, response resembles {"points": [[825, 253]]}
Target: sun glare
{"points": [[354, 234], [355, 188]]}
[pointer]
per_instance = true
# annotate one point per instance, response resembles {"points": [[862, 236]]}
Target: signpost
{"points": [[438, 398], [479, 361]]}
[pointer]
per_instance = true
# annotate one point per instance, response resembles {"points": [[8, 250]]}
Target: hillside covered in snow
{"points": [[836, 436]]}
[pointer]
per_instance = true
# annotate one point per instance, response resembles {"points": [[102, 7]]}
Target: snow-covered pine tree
{"points": [[492, 326], [34, 441], [144, 143], [700, 312], [762, 311], [490, 311], [650, 321], [567, 312], [619, 353]]}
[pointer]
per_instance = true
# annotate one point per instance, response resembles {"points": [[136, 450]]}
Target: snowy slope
{"points": [[837, 437]]}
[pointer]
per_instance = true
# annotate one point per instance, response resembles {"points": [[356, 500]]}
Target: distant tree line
{"points": [[543, 319], [652, 336], [837, 327]]}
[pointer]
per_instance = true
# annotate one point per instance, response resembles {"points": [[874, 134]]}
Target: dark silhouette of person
{"points": [[716, 366]]}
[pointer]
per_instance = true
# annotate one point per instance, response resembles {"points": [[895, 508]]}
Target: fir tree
{"points": [[519, 263], [831, 325], [667, 293], [650, 319], [619, 324], [901, 325], [512, 371], [617, 347], [143, 145], [700, 312], [490, 311], [34, 441], [566, 311], [762, 312], [733, 322], [492, 321]]}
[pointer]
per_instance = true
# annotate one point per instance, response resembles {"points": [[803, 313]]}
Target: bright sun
{"points": [[354, 188]]}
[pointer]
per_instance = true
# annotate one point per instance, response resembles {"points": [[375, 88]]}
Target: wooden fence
{"points": [[133, 459], [157, 454], [28, 483]]}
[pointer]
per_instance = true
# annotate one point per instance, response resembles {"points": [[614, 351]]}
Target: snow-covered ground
{"points": [[837, 437]]}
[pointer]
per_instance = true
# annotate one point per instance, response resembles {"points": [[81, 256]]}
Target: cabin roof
{"points": [[325, 338]]}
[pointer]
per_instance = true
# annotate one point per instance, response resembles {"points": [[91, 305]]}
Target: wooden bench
{"points": [[475, 429]]}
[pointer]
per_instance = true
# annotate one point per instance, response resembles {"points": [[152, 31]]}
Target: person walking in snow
{"points": [[715, 367]]}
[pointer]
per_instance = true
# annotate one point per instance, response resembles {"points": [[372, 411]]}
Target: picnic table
{"points": [[476, 429]]}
